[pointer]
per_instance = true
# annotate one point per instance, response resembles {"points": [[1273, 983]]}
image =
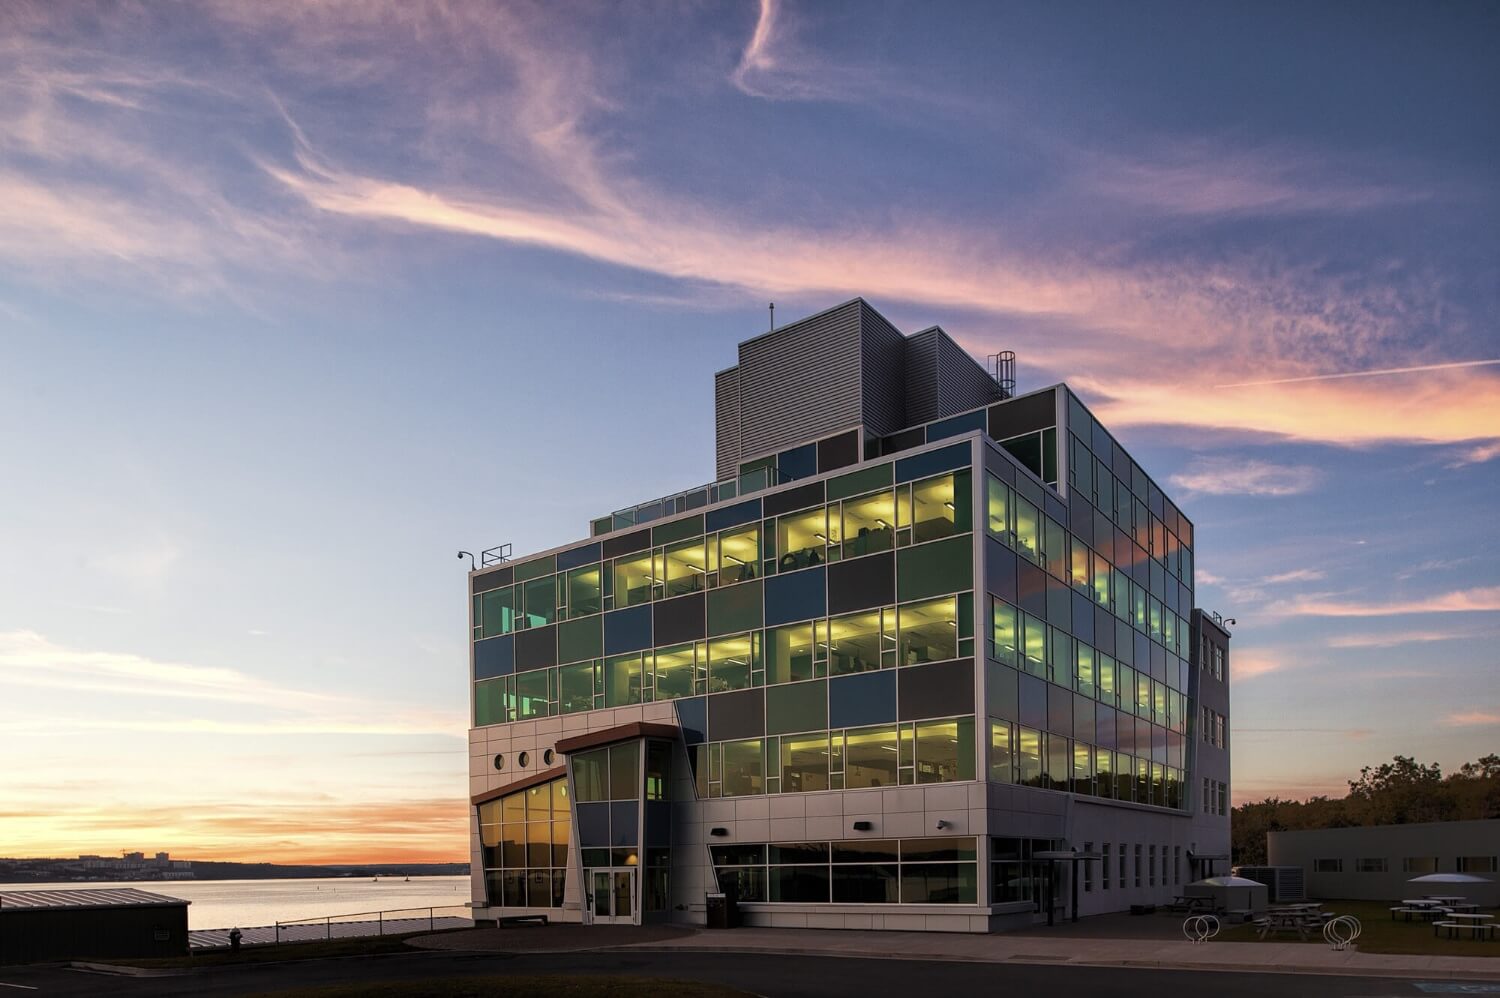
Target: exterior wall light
{"points": [[720, 832]]}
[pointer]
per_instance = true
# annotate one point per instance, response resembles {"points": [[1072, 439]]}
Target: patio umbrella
{"points": [[1232, 893], [1449, 878]]}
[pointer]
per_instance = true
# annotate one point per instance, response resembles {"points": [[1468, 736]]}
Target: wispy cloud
{"points": [[1384, 372], [1295, 575], [1254, 664], [28, 659], [776, 66], [1204, 178], [1222, 476], [1477, 600], [1378, 640], [514, 132], [1472, 718], [1476, 455]]}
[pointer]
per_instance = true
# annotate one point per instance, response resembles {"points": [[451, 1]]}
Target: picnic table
{"points": [[1183, 902], [1445, 898], [1298, 919], [1478, 925]]}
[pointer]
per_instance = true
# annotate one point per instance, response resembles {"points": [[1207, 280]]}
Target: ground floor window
{"points": [[524, 846], [865, 871], [1014, 874]]}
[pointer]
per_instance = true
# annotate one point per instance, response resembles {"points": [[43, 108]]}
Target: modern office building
{"points": [[1378, 862], [922, 655]]}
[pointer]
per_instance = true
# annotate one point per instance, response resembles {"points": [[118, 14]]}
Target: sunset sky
{"points": [[299, 298]]}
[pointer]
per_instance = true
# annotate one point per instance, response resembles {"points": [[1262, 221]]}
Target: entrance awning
{"points": [[619, 733]]}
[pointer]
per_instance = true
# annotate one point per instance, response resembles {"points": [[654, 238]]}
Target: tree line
{"points": [[1402, 791]]}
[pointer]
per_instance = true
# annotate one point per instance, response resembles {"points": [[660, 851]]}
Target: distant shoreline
{"points": [[48, 871]]}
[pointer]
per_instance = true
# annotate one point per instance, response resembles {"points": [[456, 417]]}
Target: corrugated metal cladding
{"points": [[802, 381], [922, 377], [727, 422], [883, 349], [962, 383]]}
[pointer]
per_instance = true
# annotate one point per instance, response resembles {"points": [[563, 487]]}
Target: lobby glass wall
{"points": [[864, 871], [524, 845]]}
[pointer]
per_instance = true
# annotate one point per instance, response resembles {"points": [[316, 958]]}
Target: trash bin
{"points": [[723, 910]]}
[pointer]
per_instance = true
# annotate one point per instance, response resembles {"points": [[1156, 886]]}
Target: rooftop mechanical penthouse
{"points": [[925, 656]]}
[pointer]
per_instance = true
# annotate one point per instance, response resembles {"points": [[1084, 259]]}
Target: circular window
{"points": [[499, 762], [523, 759], [548, 756]]}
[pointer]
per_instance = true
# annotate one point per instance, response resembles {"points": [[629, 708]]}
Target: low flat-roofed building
{"points": [[1378, 862], [41, 926]]}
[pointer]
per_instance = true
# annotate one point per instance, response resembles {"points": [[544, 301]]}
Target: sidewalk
{"points": [[1269, 958]]}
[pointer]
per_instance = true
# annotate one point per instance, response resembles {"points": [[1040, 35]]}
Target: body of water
{"points": [[220, 904]]}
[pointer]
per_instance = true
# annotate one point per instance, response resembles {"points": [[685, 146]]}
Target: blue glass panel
{"points": [[933, 462], [627, 630], [586, 555], [731, 516], [796, 596], [863, 698], [1033, 701], [1000, 570], [799, 462], [692, 718], [622, 822], [1083, 618], [658, 824], [593, 825], [953, 426], [495, 657]]}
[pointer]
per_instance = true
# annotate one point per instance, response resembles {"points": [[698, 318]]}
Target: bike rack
{"points": [[1200, 928]]}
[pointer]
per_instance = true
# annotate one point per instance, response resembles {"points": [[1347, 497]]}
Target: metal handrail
{"points": [[380, 918]]}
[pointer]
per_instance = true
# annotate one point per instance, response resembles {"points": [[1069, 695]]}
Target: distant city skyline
{"points": [[298, 300]]}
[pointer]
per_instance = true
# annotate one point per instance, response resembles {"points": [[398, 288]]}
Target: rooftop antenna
{"points": [[1003, 370], [773, 317]]}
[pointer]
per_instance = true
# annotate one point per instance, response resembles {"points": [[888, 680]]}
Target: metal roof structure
{"points": [[123, 897]]}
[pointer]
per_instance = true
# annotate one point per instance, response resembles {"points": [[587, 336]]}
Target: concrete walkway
{"points": [[1291, 958]]}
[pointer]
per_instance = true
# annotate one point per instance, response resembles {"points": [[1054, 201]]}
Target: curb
{"points": [[1039, 960], [117, 970]]}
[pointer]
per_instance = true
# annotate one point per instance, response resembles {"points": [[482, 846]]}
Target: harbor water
{"points": [[220, 904]]}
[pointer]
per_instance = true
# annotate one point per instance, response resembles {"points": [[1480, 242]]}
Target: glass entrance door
{"points": [[612, 894]]}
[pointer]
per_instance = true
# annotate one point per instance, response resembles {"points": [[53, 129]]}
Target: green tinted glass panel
{"points": [[540, 601], [576, 687], [789, 653], [497, 612], [734, 608], [860, 482], [533, 694], [579, 639], [536, 569], [675, 672], [798, 707], [934, 569], [677, 530], [489, 702], [622, 680], [583, 590]]}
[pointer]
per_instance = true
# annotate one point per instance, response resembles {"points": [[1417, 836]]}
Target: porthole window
{"points": [[523, 759], [499, 762], [548, 756]]}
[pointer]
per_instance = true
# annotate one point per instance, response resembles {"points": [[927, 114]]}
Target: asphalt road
{"points": [[771, 976]]}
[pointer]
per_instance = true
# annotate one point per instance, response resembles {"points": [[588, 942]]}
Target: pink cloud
{"points": [[1479, 600], [1472, 718]]}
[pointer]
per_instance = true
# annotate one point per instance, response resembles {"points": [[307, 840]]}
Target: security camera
{"points": [[943, 824]]}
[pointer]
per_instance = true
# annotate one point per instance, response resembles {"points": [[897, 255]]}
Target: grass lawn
{"points": [[1379, 934], [521, 987], [278, 953]]}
